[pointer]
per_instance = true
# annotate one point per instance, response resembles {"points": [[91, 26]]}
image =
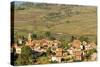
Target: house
{"points": [[65, 53], [50, 43], [44, 42], [58, 59], [54, 58], [37, 49], [84, 43], [93, 45], [56, 43], [59, 52], [78, 55], [76, 44], [20, 41], [90, 45], [58, 55], [18, 49], [87, 47], [71, 50]]}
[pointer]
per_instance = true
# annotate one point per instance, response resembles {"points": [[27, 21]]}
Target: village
{"points": [[76, 52]]}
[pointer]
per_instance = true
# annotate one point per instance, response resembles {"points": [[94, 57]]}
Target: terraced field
{"points": [[66, 19]]}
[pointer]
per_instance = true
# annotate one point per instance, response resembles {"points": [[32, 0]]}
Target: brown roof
{"points": [[43, 41], [59, 49], [76, 43], [59, 52]]}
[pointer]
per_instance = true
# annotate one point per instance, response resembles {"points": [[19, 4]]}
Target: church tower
{"points": [[29, 37]]}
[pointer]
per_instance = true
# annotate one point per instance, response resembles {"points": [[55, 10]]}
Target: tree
{"points": [[83, 38], [72, 38], [64, 45], [34, 35], [49, 51], [24, 39], [54, 61], [47, 34], [25, 57], [52, 38], [40, 36]]}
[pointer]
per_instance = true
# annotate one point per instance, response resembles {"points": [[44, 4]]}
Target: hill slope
{"points": [[68, 19]]}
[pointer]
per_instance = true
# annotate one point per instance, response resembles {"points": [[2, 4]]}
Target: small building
{"points": [[93, 45], [84, 43], [20, 41], [76, 44], [59, 52], [71, 51], [78, 55], [53, 58], [94, 57], [18, 49]]}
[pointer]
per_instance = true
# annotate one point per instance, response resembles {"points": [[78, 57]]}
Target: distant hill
{"points": [[67, 19]]}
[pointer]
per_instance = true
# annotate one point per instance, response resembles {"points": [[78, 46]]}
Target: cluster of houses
{"points": [[75, 53]]}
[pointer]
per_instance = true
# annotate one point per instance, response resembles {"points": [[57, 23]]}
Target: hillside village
{"points": [[78, 51], [52, 33]]}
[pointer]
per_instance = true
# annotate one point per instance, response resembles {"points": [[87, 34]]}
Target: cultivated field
{"points": [[64, 19]]}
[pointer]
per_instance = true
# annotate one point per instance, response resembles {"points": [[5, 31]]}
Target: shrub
{"points": [[25, 57], [84, 38]]}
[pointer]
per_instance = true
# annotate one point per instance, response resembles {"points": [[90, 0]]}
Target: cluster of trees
{"points": [[25, 57], [64, 45], [28, 56], [20, 39], [81, 38], [46, 34], [89, 53]]}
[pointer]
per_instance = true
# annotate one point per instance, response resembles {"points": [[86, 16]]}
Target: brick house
{"points": [[76, 44]]}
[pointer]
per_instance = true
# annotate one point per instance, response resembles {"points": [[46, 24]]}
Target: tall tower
{"points": [[29, 37]]}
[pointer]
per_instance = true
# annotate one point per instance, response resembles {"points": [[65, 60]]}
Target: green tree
{"points": [[52, 38], [34, 35], [25, 57], [49, 51], [72, 38], [84, 38], [48, 34], [64, 45]]}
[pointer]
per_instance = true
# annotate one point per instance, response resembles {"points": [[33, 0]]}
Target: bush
{"points": [[52, 38], [48, 34], [34, 35], [54, 61], [67, 21], [25, 57], [83, 38], [72, 38]]}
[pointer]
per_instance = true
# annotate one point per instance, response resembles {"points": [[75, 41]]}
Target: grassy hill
{"points": [[56, 18]]}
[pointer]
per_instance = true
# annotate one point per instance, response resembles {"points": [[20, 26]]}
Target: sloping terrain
{"points": [[67, 19]]}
